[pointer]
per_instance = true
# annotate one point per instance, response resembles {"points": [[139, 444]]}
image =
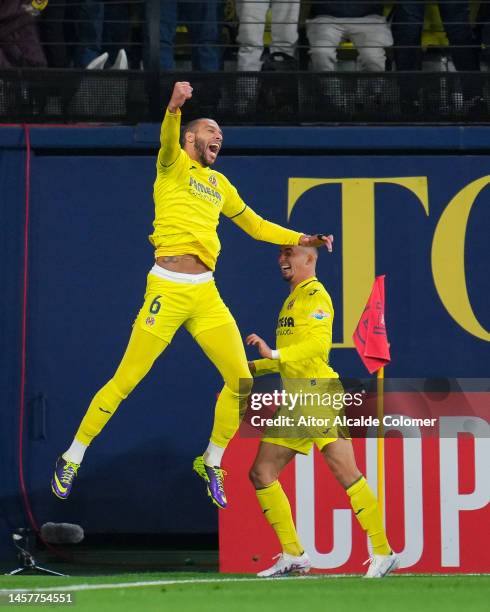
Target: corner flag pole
{"points": [[380, 447], [371, 342]]}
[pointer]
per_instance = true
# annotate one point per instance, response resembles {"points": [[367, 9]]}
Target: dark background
{"points": [[90, 213]]}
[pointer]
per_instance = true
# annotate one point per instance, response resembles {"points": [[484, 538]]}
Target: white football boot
{"points": [[286, 565], [381, 565]]}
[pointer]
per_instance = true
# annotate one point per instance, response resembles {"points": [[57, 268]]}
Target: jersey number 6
{"points": [[155, 305]]}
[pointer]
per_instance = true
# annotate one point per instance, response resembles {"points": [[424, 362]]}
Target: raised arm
{"points": [[261, 229], [170, 132]]}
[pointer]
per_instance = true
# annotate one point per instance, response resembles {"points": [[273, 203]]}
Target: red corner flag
{"points": [[370, 336]]}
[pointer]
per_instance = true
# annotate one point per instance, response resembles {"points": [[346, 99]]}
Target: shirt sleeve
{"points": [[319, 313], [265, 366], [169, 140], [254, 225]]}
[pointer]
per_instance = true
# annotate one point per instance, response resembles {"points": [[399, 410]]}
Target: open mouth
{"points": [[214, 148], [285, 268]]}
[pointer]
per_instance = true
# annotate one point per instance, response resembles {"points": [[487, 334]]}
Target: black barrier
{"points": [[258, 98]]}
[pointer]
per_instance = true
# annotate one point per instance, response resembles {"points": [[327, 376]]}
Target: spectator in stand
{"points": [[361, 22], [483, 31], [19, 38], [69, 34], [73, 32], [51, 28], [201, 19], [284, 31], [112, 23], [408, 19]]}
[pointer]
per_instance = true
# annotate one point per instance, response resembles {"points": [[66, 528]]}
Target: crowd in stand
{"points": [[98, 34]]}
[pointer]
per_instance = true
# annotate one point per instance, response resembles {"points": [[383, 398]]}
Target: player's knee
{"points": [[124, 384], [114, 391], [262, 476], [246, 384], [242, 385]]}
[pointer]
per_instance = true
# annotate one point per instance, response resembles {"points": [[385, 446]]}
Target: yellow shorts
{"points": [[301, 437], [304, 445], [172, 302]]}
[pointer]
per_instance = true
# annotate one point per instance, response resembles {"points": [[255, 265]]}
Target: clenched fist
{"points": [[182, 92]]}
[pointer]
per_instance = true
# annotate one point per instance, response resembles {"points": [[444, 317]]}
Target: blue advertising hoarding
{"points": [[422, 221]]}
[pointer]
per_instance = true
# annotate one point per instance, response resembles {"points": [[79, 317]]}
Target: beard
{"points": [[200, 147]]}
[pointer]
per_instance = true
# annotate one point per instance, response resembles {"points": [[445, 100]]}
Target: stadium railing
{"points": [[244, 98], [438, 94]]}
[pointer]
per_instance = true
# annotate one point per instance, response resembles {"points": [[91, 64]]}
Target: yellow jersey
{"points": [[189, 199], [303, 335]]}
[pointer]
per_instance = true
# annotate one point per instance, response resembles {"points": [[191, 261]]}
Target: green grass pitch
{"points": [[189, 592]]}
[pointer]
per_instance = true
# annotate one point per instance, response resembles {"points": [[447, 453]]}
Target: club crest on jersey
{"points": [[320, 314], [150, 321], [290, 305], [213, 180]]}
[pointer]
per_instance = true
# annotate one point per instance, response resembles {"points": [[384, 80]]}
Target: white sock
{"points": [[75, 453], [213, 455]]}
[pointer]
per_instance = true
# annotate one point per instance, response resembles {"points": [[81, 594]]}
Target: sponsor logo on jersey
{"points": [[213, 180], [320, 314], [285, 322], [314, 291], [290, 305], [199, 189], [150, 321]]}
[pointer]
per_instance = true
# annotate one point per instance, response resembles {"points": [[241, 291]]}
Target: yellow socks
{"points": [[366, 509], [142, 350], [226, 417], [223, 345], [277, 511], [102, 407]]}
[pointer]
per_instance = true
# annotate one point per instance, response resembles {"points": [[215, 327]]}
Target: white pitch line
{"points": [[150, 583]]}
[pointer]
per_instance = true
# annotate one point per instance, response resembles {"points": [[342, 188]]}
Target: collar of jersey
{"points": [[193, 161], [303, 283], [196, 164], [306, 281]]}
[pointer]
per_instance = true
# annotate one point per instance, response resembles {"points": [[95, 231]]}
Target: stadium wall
{"points": [[411, 203]]}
